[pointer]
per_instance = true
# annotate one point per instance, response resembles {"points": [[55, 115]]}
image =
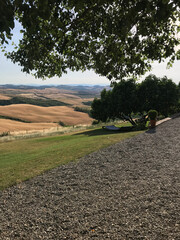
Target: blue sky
{"points": [[11, 73]]}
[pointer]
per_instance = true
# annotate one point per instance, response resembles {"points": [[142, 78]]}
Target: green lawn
{"points": [[23, 159]]}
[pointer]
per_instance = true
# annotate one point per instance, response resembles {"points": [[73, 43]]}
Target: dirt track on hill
{"points": [[130, 190]]}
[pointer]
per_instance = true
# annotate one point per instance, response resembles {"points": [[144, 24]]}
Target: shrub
{"points": [[84, 110], [95, 122], [152, 114], [87, 103], [4, 134], [62, 124]]}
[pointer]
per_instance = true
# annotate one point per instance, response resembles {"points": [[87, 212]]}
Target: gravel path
{"points": [[130, 190]]}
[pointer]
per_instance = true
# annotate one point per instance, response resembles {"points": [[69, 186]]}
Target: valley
{"points": [[27, 108]]}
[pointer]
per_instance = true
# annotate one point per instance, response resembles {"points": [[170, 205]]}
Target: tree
{"points": [[168, 96], [124, 96], [116, 103], [128, 96], [157, 93], [148, 94], [102, 109], [116, 38], [6, 20]]}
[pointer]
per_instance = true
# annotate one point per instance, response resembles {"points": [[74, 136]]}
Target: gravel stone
{"points": [[130, 190]]}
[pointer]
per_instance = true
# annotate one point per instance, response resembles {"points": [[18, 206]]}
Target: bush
{"points": [[4, 134], [175, 109], [87, 103], [62, 124], [95, 122], [84, 110], [152, 114]]}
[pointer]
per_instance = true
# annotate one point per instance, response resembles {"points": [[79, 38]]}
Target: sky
{"points": [[11, 73]]}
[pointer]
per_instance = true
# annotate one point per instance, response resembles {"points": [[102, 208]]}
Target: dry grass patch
{"points": [[10, 125], [38, 114], [4, 97]]}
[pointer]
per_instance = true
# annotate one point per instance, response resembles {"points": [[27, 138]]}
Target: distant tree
{"points": [[116, 38], [115, 103], [157, 93], [124, 97], [148, 94], [127, 97], [168, 95], [102, 109], [96, 110]]}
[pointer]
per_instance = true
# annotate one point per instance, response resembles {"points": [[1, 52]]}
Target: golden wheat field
{"points": [[40, 115], [63, 95], [68, 98], [7, 125], [4, 97]]}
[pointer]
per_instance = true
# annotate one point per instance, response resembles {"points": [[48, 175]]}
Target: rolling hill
{"points": [[27, 107]]}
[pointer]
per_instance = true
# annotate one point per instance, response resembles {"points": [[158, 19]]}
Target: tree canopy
{"points": [[122, 99], [129, 97], [157, 93], [116, 38]]}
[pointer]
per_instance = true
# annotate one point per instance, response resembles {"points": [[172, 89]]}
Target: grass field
{"points": [[24, 159]]}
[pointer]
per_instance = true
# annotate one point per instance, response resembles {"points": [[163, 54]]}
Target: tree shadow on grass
{"points": [[96, 132]]}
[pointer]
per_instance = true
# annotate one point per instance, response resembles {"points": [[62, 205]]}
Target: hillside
{"points": [[25, 100], [36, 114], [16, 126], [30, 107], [64, 94]]}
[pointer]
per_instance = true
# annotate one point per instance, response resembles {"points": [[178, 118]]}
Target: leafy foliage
{"points": [[88, 103], [124, 97], [152, 114], [111, 105], [157, 93], [148, 94], [84, 110], [102, 108], [116, 38], [7, 12], [129, 97]]}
